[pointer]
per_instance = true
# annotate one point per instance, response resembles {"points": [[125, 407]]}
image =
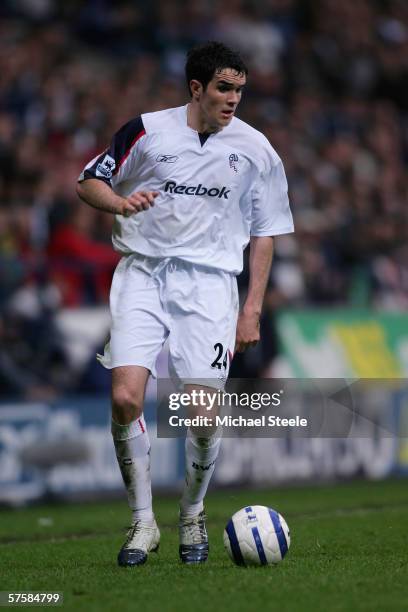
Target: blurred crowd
{"points": [[328, 85]]}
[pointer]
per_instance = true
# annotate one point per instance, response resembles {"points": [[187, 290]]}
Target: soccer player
{"points": [[189, 188]]}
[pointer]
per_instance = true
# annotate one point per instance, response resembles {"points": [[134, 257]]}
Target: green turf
{"points": [[349, 552]]}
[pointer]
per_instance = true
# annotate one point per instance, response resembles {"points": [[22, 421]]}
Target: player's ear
{"points": [[196, 89]]}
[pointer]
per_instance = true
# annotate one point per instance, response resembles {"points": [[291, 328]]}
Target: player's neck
{"points": [[197, 121]]}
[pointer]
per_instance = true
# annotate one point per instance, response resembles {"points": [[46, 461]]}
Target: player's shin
{"points": [[201, 456], [132, 447]]}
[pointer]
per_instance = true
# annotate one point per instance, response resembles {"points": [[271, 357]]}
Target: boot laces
{"points": [[139, 535], [194, 528]]}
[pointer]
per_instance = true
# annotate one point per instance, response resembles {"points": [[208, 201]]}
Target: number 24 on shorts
{"points": [[219, 349]]}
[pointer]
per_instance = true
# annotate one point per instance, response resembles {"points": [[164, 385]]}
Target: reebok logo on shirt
{"points": [[198, 190]]}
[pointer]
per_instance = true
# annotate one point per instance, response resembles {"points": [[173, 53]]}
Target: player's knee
{"points": [[204, 437], [126, 405]]}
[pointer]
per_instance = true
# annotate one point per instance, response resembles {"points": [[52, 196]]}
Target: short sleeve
{"points": [[121, 159], [271, 214]]}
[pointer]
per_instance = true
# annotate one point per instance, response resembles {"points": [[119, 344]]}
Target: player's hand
{"points": [[247, 331], [137, 202]]}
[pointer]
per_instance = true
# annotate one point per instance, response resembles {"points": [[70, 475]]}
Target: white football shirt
{"points": [[215, 191]]}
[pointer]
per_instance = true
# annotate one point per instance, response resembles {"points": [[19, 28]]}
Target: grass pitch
{"points": [[349, 552]]}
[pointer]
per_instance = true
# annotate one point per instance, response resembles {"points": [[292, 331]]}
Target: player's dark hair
{"points": [[204, 60]]}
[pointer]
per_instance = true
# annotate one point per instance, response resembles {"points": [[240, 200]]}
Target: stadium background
{"points": [[329, 87]]}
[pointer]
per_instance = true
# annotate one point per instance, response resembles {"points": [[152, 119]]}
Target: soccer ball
{"points": [[256, 535]]}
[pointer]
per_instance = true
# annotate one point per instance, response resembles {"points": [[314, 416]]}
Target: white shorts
{"points": [[195, 307]]}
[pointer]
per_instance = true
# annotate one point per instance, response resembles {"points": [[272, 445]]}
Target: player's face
{"points": [[218, 102]]}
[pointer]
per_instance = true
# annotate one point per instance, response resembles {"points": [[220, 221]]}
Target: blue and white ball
{"points": [[256, 535]]}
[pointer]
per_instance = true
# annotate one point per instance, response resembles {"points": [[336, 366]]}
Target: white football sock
{"points": [[133, 453], [201, 454]]}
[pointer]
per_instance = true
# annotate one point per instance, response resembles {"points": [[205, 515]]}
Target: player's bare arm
{"points": [[260, 260], [98, 194]]}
